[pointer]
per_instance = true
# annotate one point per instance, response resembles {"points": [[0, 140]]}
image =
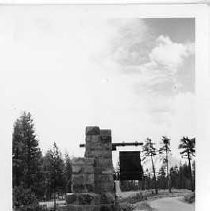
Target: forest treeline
{"points": [[39, 176], [180, 176], [36, 176], [180, 179]]}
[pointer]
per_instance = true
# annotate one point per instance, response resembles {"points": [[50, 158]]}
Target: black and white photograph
{"points": [[101, 108]]}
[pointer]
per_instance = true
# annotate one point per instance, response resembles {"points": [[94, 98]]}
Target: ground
{"points": [[164, 201], [148, 201], [165, 204]]}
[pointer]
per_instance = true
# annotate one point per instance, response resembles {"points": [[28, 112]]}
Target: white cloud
{"points": [[129, 45], [170, 54], [158, 76]]}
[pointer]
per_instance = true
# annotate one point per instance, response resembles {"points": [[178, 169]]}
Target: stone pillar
{"points": [[92, 175], [99, 146]]}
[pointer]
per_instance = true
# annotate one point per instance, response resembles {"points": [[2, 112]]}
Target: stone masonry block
{"points": [[107, 198], [95, 147], [88, 169], [90, 188], [89, 161], [83, 165], [108, 171], [92, 130], [102, 187], [105, 132], [83, 179], [79, 188], [104, 170], [106, 142], [104, 178], [98, 153], [89, 199], [83, 198], [104, 162], [71, 198], [92, 139], [78, 179], [82, 161], [77, 169], [78, 161], [97, 140], [99, 147], [89, 178]]}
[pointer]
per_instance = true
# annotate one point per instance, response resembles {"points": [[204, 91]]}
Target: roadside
{"points": [[141, 200], [165, 204], [136, 196], [149, 201]]}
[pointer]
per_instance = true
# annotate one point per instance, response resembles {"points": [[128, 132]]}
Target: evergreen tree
{"points": [[166, 149], [147, 179], [68, 173], [17, 154], [26, 155], [161, 179], [149, 151], [188, 151], [184, 176], [174, 176], [54, 171]]}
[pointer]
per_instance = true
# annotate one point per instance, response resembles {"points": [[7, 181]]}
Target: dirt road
{"points": [[171, 204]]}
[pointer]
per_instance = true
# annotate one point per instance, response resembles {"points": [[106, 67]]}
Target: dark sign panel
{"points": [[130, 165]]}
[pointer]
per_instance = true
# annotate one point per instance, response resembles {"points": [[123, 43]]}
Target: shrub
{"points": [[135, 198], [22, 197], [125, 207], [144, 206]]}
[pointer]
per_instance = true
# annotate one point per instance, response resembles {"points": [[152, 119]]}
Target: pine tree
{"points": [[166, 149], [17, 154], [54, 171], [68, 173], [26, 154], [149, 151], [174, 176], [162, 178], [188, 150]]}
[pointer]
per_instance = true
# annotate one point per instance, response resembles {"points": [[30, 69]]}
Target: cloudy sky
{"points": [[134, 76]]}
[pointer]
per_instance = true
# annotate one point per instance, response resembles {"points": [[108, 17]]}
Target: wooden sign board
{"points": [[130, 165]]}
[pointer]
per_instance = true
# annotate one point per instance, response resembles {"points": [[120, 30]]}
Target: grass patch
{"points": [[135, 198], [125, 207], [143, 206]]}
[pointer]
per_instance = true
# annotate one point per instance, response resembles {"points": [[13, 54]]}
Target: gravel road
{"points": [[171, 204]]}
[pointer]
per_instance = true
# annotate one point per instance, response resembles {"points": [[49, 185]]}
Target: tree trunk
{"points": [[169, 182], [191, 178], [153, 167], [168, 174]]}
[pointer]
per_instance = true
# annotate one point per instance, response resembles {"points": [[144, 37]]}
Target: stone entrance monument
{"points": [[92, 175]]}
